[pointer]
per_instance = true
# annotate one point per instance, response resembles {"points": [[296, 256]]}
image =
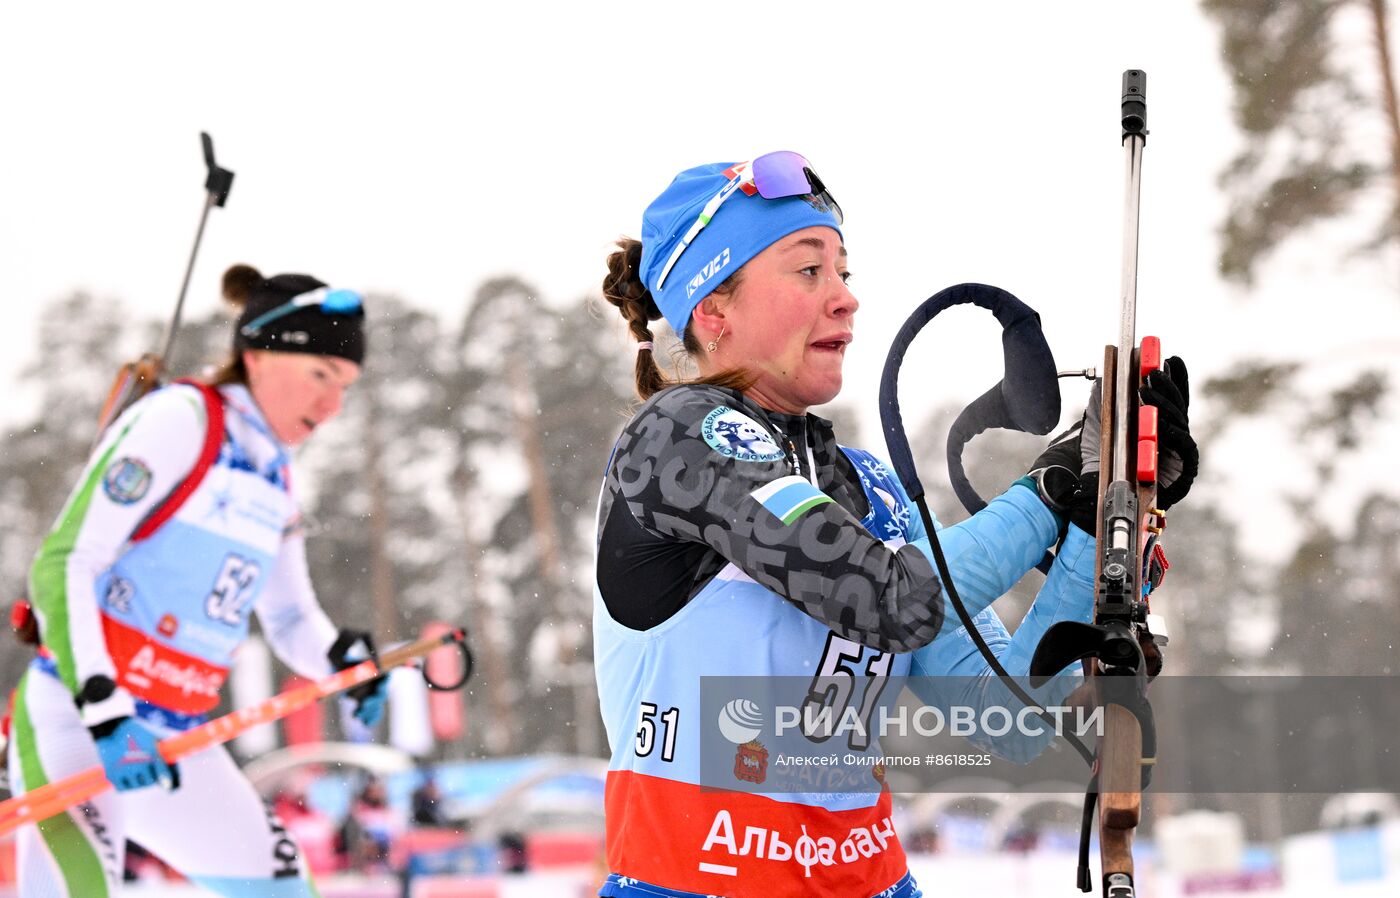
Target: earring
{"points": [[714, 344]]}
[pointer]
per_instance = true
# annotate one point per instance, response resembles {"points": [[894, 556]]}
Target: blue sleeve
{"points": [[991, 551], [951, 671]]}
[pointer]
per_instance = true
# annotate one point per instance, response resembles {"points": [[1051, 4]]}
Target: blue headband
{"points": [[742, 228]]}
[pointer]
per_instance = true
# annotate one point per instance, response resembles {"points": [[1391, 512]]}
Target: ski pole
{"points": [[139, 377], [60, 795]]}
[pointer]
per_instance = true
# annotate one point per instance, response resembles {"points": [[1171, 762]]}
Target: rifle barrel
{"points": [[210, 200], [1127, 312]]}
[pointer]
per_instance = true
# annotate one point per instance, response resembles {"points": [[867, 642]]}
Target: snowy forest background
{"points": [[461, 480]]}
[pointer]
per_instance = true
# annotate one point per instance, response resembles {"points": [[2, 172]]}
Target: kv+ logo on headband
{"points": [[712, 268]]}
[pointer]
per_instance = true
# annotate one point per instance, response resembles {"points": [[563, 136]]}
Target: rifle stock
{"points": [[134, 380], [1122, 612]]}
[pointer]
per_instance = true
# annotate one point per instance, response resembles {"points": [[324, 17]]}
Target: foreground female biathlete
{"points": [[737, 538], [182, 525]]}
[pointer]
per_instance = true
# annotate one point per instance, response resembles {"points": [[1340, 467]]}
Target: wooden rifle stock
{"points": [[1120, 753], [134, 380]]}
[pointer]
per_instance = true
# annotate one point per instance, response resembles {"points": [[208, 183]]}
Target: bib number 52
{"points": [[233, 590]]}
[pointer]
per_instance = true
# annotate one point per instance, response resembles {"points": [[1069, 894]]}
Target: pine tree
{"points": [[539, 399], [1303, 105]]}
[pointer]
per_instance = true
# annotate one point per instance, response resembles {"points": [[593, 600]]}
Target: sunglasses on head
{"points": [[330, 302], [773, 176]]}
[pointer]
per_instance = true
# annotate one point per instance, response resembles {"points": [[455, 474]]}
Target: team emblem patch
{"points": [[751, 762], [735, 435], [127, 480]]}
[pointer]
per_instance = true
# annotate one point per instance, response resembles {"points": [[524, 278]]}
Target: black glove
{"points": [[1178, 458], [352, 647], [1066, 474]]}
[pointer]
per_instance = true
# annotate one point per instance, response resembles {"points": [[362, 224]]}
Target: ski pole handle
{"points": [[60, 795], [222, 729]]}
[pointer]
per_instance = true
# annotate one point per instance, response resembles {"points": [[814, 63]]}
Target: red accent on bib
{"points": [[159, 674], [657, 829]]}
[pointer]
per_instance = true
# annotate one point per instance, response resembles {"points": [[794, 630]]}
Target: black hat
{"points": [[295, 313]]}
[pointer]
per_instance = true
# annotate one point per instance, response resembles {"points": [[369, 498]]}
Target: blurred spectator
{"points": [[922, 841], [512, 853], [313, 831], [1020, 840], [369, 829], [427, 805]]}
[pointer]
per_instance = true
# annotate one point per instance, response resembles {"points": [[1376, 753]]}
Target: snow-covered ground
{"points": [[1047, 874]]}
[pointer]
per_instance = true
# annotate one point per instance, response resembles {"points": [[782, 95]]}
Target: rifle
{"points": [[1128, 559], [136, 379]]}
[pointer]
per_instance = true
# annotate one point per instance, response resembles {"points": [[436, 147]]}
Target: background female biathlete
{"points": [[182, 525]]}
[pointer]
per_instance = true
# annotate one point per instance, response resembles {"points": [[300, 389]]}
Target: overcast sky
{"points": [[418, 149]]}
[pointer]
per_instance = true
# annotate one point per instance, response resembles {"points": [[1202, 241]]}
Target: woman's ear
{"points": [[252, 365], [708, 318]]}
